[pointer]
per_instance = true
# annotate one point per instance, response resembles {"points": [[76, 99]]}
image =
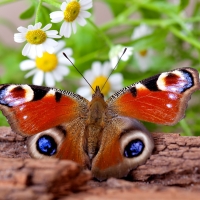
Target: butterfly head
{"points": [[97, 93]]}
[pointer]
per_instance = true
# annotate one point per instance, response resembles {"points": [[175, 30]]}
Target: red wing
{"points": [[160, 99], [32, 109]]}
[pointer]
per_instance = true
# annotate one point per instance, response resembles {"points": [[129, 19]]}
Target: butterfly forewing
{"points": [[32, 109], [160, 99]]}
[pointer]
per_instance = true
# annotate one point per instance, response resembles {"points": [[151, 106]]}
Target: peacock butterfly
{"points": [[103, 136]]}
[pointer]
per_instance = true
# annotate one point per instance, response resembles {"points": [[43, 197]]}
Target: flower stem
{"points": [[186, 128], [191, 40], [53, 3], [38, 11], [108, 41]]}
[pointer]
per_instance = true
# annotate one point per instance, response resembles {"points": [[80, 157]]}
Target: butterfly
{"points": [[103, 136]]}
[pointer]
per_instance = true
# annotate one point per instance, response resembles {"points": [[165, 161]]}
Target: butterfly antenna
{"points": [[78, 70], [114, 68]]}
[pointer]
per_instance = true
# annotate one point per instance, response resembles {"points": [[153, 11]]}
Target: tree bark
{"points": [[175, 162]]}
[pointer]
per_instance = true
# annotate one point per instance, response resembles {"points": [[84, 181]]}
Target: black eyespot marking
{"points": [[46, 145], [134, 149], [58, 96], [2, 96], [151, 83], [189, 78], [133, 91], [38, 92], [62, 129]]}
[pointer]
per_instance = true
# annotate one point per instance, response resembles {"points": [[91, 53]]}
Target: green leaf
{"points": [[183, 4], [116, 7], [27, 14], [44, 15]]}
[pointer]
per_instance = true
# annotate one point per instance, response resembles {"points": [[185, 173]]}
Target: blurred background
{"points": [[163, 35]]}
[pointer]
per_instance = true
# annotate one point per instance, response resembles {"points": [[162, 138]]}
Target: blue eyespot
{"points": [[46, 145], [134, 148]]}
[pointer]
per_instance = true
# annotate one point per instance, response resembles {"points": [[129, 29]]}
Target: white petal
{"points": [[52, 34], [62, 70], [60, 45], [63, 6], [32, 52], [57, 19], [19, 37], [143, 61], [106, 69], [85, 14], [74, 27], [38, 78], [96, 69], [86, 6], [56, 16], [114, 61], [141, 31], [49, 45], [51, 42], [39, 50], [26, 49], [62, 59], [116, 79], [84, 2], [31, 73], [22, 29], [88, 74], [68, 30], [27, 64], [47, 27], [65, 61], [62, 28], [38, 25], [85, 92], [65, 29], [49, 79], [81, 21], [58, 77], [30, 27]]}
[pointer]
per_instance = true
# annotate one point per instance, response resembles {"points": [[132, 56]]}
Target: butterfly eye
{"points": [[134, 148], [46, 145]]}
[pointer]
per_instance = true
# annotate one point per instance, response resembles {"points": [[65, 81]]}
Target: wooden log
{"points": [[45, 179], [175, 162]]}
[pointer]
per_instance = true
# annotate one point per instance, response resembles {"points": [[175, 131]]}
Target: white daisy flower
{"points": [[116, 52], [97, 76], [38, 40], [142, 57], [50, 67], [72, 11]]}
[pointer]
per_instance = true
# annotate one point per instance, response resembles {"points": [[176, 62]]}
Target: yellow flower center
{"points": [[48, 62], [36, 36], [99, 81], [72, 10], [143, 53]]}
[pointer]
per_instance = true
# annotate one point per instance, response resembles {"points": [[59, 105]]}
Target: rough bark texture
{"points": [[175, 162]]}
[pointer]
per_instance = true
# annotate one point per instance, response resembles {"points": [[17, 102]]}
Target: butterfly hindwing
{"points": [[160, 99], [125, 144], [31, 109], [65, 141]]}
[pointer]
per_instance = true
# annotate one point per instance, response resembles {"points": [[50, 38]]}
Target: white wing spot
{"points": [[169, 105]]}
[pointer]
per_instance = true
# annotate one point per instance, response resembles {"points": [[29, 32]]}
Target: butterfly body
{"points": [[103, 136]]}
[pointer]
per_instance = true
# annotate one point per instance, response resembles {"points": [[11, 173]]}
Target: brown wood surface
{"points": [[173, 171]]}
